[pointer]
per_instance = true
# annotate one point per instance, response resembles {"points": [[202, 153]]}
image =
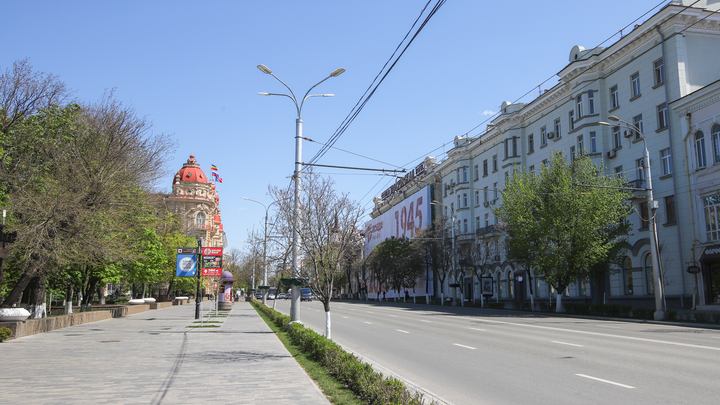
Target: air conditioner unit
{"points": [[628, 134], [611, 154], [551, 135], [486, 203]]}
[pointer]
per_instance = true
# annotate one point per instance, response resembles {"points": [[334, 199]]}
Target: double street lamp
{"points": [[295, 303], [267, 209], [652, 206]]}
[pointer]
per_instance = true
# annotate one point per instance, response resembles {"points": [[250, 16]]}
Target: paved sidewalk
{"points": [[153, 358]]}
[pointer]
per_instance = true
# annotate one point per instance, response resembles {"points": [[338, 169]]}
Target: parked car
{"points": [[281, 296], [258, 296], [306, 295]]}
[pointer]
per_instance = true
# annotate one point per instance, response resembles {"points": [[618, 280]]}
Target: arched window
{"points": [[649, 276], [511, 284], [200, 219], [628, 276], [700, 149], [501, 285], [716, 142]]}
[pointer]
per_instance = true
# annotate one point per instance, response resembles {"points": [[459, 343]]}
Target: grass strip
{"points": [[203, 326], [335, 391]]}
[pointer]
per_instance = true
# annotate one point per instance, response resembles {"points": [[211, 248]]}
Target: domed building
{"points": [[196, 199]]}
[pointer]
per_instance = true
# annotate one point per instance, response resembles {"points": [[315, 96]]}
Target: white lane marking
{"points": [[664, 342], [422, 320], [569, 344], [605, 381], [605, 326], [467, 347], [394, 316], [346, 317], [402, 331], [481, 330], [369, 323], [369, 312]]}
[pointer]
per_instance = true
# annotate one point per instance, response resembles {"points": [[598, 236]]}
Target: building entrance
{"points": [[713, 283]]}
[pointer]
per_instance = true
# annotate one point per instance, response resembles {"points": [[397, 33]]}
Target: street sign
{"points": [[186, 265], [187, 251]]}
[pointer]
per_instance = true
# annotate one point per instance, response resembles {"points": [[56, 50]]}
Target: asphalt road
{"points": [[474, 356]]}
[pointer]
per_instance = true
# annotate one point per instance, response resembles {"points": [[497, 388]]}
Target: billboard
{"points": [[212, 261], [404, 219]]}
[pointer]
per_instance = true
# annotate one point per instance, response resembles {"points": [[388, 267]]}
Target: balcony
{"points": [[488, 231], [640, 185]]}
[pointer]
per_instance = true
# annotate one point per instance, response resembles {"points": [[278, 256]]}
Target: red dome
{"points": [[191, 171]]}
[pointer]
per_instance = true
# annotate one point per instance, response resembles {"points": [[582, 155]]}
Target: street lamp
{"points": [[266, 240], [652, 206], [452, 235], [297, 175]]}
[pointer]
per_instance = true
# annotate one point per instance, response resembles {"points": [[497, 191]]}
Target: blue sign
{"points": [[186, 266]]}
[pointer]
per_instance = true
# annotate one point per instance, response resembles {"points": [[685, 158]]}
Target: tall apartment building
{"points": [[662, 77]]}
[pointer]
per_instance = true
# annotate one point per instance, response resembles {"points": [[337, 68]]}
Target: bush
{"points": [[5, 333], [345, 367], [496, 305], [701, 317], [672, 316], [643, 313], [716, 317]]}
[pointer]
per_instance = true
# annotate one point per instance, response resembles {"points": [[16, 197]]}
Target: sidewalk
{"points": [[153, 358]]}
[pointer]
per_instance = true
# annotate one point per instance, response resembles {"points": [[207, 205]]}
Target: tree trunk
{"points": [[15, 294], [144, 290], [68, 299], [37, 297], [558, 302], [101, 290]]}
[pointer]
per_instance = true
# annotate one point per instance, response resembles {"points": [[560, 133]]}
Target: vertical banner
{"points": [[212, 261], [186, 262]]}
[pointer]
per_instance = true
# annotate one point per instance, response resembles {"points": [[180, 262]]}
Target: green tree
{"points": [[397, 261], [564, 221]]}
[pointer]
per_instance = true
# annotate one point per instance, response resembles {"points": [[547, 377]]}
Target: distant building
{"points": [[662, 76], [198, 202]]}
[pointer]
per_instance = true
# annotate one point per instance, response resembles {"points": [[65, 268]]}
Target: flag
{"points": [[213, 168], [217, 177]]}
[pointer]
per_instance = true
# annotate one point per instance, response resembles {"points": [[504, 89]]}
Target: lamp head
{"points": [[605, 123], [264, 69], [336, 73], [263, 94], [613, 118]]}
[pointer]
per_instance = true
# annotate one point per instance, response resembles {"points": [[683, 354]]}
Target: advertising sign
{"points": [[212, 261], [404, 219], [486, 286], [186, 265]]}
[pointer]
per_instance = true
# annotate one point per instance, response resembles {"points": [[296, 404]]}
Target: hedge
{"points": [[5, 333], [345, 367]]}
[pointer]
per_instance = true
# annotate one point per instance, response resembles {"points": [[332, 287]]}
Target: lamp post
{"points": [[452, 235], [652, 206], [297, 175], [197, 288], [267, 208]]}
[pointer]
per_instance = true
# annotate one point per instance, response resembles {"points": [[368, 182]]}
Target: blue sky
{"points": [[190, 68]]}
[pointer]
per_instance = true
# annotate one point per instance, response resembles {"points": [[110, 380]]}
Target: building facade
{"points": [[195, 198], [662, 78]]}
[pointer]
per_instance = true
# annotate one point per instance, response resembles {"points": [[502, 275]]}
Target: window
{"points": [[670, 214], [635, 85], [543, 136], [617, 138], [458, 201], [666, 161], [476, 173], [200, 219], [712, 216], [571, 119], [477, 197], [531, 144], [477, 223], [572, 153], [485, 168], [558, 128], [487, 220], [495, 187], [532, 169], [628, 276], [662, 116], [464, 174], [649, 278], [614, 97], [485, 194], [591, 102], [644, 216], [659, 70], [514, 146], [545, 163], [700, 149], [593, 142], [578, 106], [581, 145], [637, 122], [465, 225], [465, 200], [716, 143], [618, 170], [494, 163]]}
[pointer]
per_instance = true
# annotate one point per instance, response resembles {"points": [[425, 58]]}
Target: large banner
{"points": [[404, 219]]}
